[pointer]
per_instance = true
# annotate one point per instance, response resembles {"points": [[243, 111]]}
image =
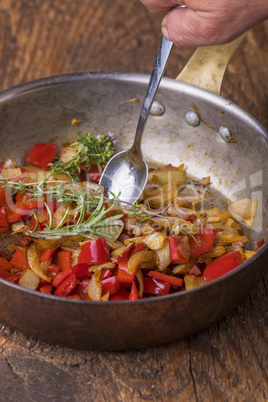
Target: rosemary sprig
{"points": [[91, 227]]}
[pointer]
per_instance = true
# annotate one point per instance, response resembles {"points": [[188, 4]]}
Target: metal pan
{"points": [[236, 161]]}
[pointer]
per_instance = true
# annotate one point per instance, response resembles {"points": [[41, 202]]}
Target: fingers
{"points": [[190, 28], [208, 22]]}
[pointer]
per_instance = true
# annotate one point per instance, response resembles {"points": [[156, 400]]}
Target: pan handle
{"points": [[207, 66]]}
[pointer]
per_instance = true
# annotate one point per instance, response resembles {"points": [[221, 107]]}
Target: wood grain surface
{"points": [[228, 361]]}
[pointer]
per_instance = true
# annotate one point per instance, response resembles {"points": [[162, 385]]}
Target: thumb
{"points": [[189, 28], [184, 27]]}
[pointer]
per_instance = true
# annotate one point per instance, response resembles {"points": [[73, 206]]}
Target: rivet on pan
{"points": [[225, 134], [157, 109], [192, 118]]}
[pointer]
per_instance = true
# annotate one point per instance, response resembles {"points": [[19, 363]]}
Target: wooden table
{"points": [[228, 361]]}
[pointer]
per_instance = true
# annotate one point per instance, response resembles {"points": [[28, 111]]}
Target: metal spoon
{"points": [[126, 173]]}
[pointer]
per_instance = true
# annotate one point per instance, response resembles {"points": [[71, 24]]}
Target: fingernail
{"points": [[165, 32]]}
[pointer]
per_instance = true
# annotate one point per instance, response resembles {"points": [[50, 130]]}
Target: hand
{"points": [[208, 22]]}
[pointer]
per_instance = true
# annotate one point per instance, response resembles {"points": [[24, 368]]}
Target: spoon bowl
{"points": [[125, 176]]}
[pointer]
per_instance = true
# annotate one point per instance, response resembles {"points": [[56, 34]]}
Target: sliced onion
{"points": [[112, 230], [94, 289], [11, 173], [139, 277], [162, 257], [215, 252], [244, 210], [9, 164], [137, 258], [100, 267], [248, 254], [38, 268], [18, 227], [67, 153], [29, 280], [192, 281], [155, 241], [167, 174], [182, 268], [106, 296], [176, 224], [117, 252], [184, 247], [162, 196], [60, 213], [136, 240], [228, 238]]}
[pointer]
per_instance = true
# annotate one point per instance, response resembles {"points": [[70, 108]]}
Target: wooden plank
{"points": [[228, 361]]}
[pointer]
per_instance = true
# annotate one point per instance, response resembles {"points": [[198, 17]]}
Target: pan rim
{"points": [[169, 83], [142, 79]]}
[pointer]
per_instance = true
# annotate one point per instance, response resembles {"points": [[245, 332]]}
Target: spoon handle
{"points": [[157, 73]]}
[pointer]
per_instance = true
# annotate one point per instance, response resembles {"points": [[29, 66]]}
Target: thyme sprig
{"points": [[92, 150]]}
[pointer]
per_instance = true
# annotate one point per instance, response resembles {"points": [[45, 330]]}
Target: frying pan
{"points": [[217, 139]]}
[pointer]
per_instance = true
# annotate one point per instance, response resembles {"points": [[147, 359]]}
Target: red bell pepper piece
{"points": [[126, 254], [122, 294], [4, 226], [19, 260], [5, 264], [75, 297], [3, 202], [47, 254], [53, 270], [64, 259], [94, 252], [106, 273], [8, 276], [17, 215], [82, 289], [42, 154], [60, 277], [46, 289], [138, 247], [123, 274], [134, 294], [122, 260], [32, 223], [25, 241], [81, 271], [174, 251], [125, 285], [173, 280], [260, 243], [24, 201], [93, 174], [222, 265], [110, 285], [67, 286], [156, 287], [205, 241]]}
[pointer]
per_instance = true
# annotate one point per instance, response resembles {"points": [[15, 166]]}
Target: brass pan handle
{"points": [[207, 66]]}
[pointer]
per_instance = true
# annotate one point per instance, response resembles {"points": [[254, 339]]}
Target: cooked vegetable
{"points": [[222, 265], [94, 252], [29, 280], [243, 210], [42, 154], [75, 243]]}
